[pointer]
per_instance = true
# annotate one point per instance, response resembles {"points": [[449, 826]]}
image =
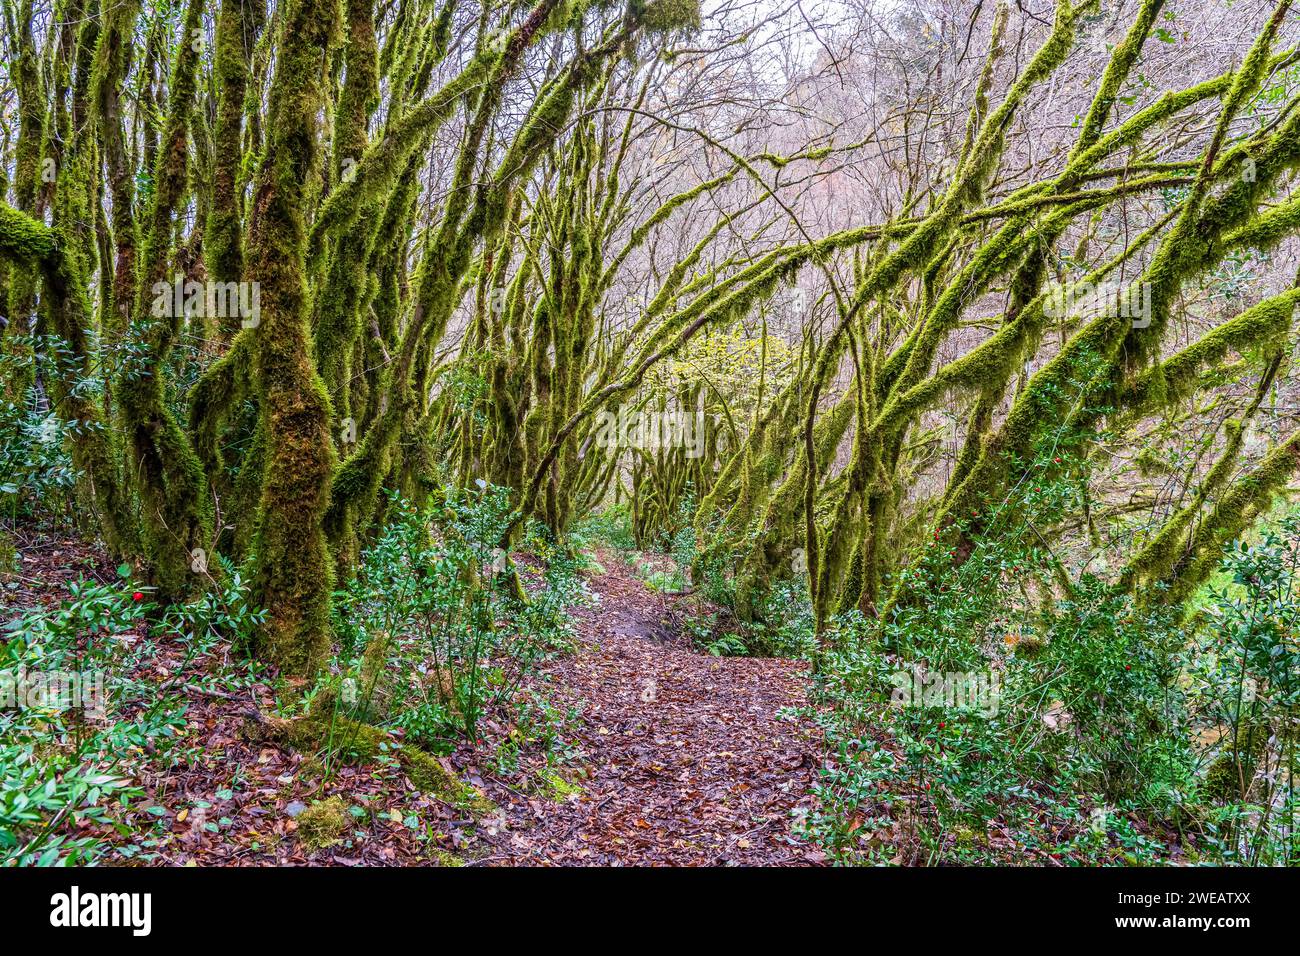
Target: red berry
{"points": [[941, 725], [1128, 667], [137, 596]]}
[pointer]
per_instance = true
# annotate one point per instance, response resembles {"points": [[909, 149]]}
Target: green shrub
{"points": [[433, 633], [36, 471], [609, 528]]}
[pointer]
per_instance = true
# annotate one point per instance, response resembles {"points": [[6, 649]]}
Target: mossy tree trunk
{"points": [[293, 576]]}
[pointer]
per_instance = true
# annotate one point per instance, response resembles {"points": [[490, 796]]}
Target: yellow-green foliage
{"points": [[169, 478], [556, 786], [237, 26], [293, 576], [23, 240], [8, 555], [662, 16]]}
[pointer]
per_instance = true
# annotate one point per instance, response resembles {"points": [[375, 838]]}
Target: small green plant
{"points": [[321, 825], [539, 727], [1247, 687], [727, 645]]}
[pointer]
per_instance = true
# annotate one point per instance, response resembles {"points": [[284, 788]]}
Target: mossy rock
{"points": [[443, 858], [349, 740], [428, 773], [322, 824], [1223, 780], [1030, 647]]}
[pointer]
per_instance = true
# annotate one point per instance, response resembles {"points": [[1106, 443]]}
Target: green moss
{"points": [[557, 787], [1231, 776], [108, 75], [28, 242], [322, 824], [341, 298], [216, 397], [237, 27], [166, 473], [1259, 327], [1235, 509], [27, 75], [294, 573], [1223, 780], [1163, 551], [433, 779], [8, 555], [23, 239], [374, 686]]}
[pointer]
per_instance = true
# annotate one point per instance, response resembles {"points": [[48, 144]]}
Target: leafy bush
{"points": [[785, 628], [1246, 687], [610, 528], [36, 471], [434, 631]]}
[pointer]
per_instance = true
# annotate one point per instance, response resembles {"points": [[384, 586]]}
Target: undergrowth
{"points": [[83, 708], [440, 627]]}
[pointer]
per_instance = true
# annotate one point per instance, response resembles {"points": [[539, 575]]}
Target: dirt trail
{"points": [[689, 762]]}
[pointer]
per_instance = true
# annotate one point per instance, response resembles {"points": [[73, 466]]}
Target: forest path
{"points": [[688, 759]]}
